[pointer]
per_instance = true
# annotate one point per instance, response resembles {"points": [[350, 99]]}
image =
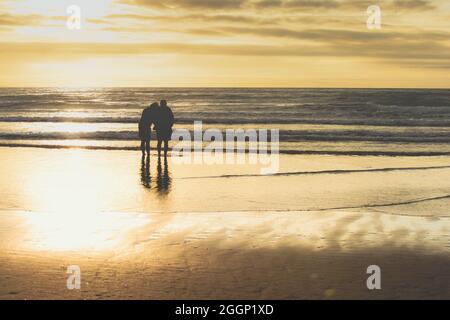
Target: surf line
{"points": [[300, 173], [381, 205]]}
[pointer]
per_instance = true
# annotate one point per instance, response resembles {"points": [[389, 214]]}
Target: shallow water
{"points": [[334, 121]]}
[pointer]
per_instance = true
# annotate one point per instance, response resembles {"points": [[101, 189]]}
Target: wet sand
{"points": [[222, 232]]}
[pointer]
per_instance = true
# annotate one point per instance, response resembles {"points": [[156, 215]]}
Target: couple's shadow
{"points": [[163, 179]]}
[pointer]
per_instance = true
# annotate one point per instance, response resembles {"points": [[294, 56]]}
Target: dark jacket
{"points": [[145, 123], [164, 122]]}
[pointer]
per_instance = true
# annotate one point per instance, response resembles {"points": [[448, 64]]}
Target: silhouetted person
{"points": [[145, 126], [163, 124]]}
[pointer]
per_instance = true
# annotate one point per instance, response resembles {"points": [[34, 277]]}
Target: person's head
{"points": [[163, 103], [154, 105]]}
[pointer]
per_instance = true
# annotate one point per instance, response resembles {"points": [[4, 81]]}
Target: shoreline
{"points": [[246, 151]]}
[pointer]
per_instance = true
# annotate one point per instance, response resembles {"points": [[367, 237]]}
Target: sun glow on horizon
{"points": [[173, 43], [52, 8]]}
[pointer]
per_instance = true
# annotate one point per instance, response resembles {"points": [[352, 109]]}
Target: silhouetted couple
{"points": [[161, 116]]}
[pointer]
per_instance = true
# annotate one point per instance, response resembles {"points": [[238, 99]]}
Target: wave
{"points": [[417, 137], [337, 171], [323, 121], [268, 119], [281, 151], [391, 204]]}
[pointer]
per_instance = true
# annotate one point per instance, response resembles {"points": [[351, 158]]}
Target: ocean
{"points": [[312, 121]]}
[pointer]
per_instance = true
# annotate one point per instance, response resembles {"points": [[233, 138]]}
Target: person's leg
{"points": [[147, 146], [159, 147], [143, 146], [166, 147]]}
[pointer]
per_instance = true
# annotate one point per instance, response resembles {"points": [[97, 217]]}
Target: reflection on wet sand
{"points": [[277, 255], [145, 171], [163, 179], [241, 237]]}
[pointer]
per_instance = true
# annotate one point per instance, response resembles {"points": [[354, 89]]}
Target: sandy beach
{"points": [[222, 232]]}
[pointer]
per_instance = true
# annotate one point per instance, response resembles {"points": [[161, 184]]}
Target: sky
{"points": [[225, 43]]}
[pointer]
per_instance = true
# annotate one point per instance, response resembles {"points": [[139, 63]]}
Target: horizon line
{"points": [[221, 87]]}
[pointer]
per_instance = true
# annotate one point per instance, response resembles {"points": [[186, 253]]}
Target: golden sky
{"points": [[251, 43]]}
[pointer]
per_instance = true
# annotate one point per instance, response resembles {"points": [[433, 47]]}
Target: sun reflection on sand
{"points": [[71, 207], [67, 189], [78, 232]]}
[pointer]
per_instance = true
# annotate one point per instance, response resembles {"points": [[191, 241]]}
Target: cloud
{"points": [[8, 21], [188, 4], [254, 29], [296, 4], [338, 35], [416, 5], [392, 5], [268, 3], [418, 51], [311, 4], [19, 20], [286, 5], [410, 5], [156, 31], [234, 4], [188, 17]]}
